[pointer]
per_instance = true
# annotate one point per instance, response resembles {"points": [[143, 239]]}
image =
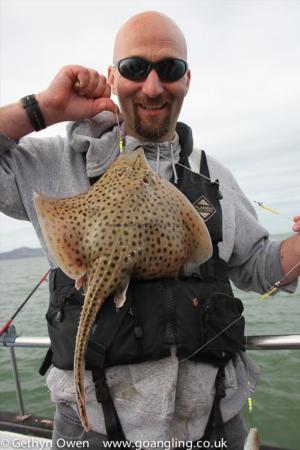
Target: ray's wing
{"points": [[200, 242], [60, 221]]}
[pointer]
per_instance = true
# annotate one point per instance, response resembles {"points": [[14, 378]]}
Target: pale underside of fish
{"points": [[252, 440], [130, 223]]}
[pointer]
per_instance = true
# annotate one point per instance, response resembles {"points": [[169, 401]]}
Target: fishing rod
{"points": [[7, 324]]}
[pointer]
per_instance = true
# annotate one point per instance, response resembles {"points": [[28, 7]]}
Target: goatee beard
{"points": [[152, 132]]}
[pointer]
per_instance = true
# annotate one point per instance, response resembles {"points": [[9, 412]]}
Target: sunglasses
{"points": [[136, 68]]}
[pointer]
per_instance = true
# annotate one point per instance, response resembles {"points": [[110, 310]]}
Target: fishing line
{"points": [[210, 340], [241, 194], [206, 179], [121, 140], [276, 285], [249, 398], [271, 291], [236, 320], [8, 323]]}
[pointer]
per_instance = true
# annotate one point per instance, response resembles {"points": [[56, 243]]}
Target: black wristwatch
{"points": [[34, 113]]}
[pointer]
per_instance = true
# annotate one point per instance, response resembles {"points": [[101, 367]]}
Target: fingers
{"points": [[91, 84], [105, 104], [77, 93], [296, 226]]}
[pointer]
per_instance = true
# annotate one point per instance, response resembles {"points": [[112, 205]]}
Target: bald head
{"points": [[150, 105], [151, 33]]}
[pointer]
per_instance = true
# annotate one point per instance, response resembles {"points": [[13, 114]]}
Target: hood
{"points": [[99, 139]]}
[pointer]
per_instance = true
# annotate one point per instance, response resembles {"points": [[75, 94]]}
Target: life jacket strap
{"points": [[46, 363], [215, 420], [113, 425]]}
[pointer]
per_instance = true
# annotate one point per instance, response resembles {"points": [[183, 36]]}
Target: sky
{"points": [[244, 100]]}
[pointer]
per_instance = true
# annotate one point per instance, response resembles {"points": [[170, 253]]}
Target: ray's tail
{"points": [[87, 319], [101, 283], [99, 288]]}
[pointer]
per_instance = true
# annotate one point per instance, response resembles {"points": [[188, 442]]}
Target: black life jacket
{"points": [[199, 314]]}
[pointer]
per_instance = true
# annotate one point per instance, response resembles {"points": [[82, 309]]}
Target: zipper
{"points": [[170, 313]]}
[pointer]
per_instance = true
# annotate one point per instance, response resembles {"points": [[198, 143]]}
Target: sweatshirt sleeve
{"points": [[253, 257], [255, 261], [23, 165]]}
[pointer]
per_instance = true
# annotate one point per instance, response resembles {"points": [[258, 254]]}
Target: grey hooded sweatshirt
{"points": [[157, 400]]}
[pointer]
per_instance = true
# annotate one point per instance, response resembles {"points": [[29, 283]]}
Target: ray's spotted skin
{"points": [[129, 223]]}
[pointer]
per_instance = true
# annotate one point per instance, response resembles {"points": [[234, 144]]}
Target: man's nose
{"points": [[152, 86]]}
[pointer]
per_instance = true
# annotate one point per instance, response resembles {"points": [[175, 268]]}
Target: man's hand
{"points": [[76, 93], [296, 226], [290, 254]]}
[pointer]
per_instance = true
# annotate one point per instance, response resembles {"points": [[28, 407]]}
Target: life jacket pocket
{"points": [[223, 328]]}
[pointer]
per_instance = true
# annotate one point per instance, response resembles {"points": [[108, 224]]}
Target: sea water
{"points": [[276, 403]]}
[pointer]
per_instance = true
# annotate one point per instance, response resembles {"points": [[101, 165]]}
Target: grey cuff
{"points": [[274, 270]]}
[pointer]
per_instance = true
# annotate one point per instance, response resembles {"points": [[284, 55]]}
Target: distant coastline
{"points": [[22, 252], [27, 252]]}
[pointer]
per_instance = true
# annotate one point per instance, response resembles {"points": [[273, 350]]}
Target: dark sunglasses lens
{"points": [[171, 69], [134, 69]]}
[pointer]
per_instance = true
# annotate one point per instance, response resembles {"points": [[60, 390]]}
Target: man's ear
{"points": [[111, 79], [187, 80]]}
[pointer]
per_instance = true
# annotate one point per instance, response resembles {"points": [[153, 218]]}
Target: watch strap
{"points": [[34, 113]]}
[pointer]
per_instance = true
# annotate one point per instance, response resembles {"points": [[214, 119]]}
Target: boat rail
{"points": [[11, 340]]}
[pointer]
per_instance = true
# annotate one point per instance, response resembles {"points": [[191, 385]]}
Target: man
{"points": [[163, 398]]}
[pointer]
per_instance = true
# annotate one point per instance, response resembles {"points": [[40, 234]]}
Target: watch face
{"points": [[29, 100]]}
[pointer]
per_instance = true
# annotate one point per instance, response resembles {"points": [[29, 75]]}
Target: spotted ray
{"points": [[130, 223]]}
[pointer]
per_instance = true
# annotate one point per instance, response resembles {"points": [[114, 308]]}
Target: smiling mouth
{"points": [[152, 107]]}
